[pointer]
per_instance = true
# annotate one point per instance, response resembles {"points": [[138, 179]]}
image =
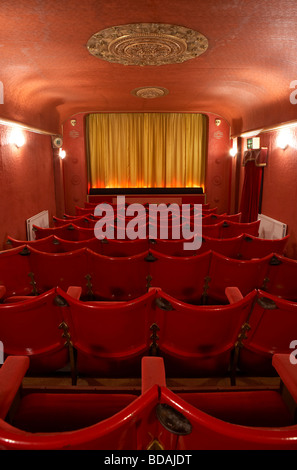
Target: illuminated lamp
{"points": [[17, 138]]}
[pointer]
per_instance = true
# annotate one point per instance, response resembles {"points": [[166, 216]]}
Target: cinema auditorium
{"points": [[148, 258]]}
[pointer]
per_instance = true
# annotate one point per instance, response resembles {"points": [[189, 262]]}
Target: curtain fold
{"points": [[249, 206], [146, 150]]}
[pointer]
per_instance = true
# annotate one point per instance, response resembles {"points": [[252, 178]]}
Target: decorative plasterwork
{"points": [[147, 44], [150, 92]]}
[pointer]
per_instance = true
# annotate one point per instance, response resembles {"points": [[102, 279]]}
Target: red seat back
{"points": [[281, 277], [226, 272], [31, 328], [15, 272], [180, 277], [110, 337], [254, 247], [197, 340], [273, 322]]}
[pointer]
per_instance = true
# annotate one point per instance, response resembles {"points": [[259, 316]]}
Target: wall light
{"points": [[233, 149], [17, 138], [62, 153], [283, 139]]}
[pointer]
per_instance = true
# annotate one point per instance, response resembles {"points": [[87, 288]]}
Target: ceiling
{"points": [[244, 76]]}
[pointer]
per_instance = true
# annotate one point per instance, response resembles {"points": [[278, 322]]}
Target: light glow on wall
{"points": [[62, 153], [284, 138], [17, 138]]}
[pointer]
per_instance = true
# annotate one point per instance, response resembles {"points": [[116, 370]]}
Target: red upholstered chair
{"points": [[15, 272], [110, 338], [232, 229], [197, 341], [172, 247], [71, 419], [281, 277], [79, 211], [84, 222], [183, 277], [157, 419], [212, 219], [261, 421], [117, 278], [31, 328], [44, 244], [254, 247], [212, 231], [49, 270], [116, 248], [229, 247], [244, 274], [271, 329], [58, 222]]}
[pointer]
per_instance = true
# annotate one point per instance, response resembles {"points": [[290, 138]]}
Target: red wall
{"points": [[218, 165], [26, 182], [280, 183], [75, 166]]}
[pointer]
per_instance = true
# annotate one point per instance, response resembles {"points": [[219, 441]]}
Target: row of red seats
{"points": [[92, 205], [157, 418], [223, 229], [90, 221], [194, 341], [241, 247], [194, 279]]}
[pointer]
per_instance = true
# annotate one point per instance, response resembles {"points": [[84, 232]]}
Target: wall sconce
{"points": [[62, 153], [283, 139], [17, 138], [233, 149]]}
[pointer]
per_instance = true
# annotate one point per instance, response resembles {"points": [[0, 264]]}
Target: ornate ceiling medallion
{"points": [[147, 44], [150, 92]]}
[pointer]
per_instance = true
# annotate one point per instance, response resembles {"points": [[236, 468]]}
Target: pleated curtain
{"points": [[146, 150]]}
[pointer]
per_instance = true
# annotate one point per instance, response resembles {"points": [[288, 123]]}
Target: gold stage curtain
{"points": [[146, 150]]}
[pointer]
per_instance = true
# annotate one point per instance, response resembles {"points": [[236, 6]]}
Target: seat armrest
{"points": [[74, 292], [11, 375], [233, 294]]}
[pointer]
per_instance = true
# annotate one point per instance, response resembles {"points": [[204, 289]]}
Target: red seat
{"points": [[31, 328], [211, 219], [49, 270], [109, 337], [172, 247], [117, 278], [116, 248], [72, 420], [212, 231], [224, 272], [79, 211], [254, 247], [184, 278], [281, 277], [15, 272], [82, 221], [44, 244], [272, 324], [157, 419], [229, 247], [196, 340], [230, 229]]}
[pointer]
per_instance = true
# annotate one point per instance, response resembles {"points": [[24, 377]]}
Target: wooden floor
{"points": [[134, 384]]}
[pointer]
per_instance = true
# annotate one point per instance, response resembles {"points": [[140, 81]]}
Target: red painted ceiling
{"points": [[244, 76]]}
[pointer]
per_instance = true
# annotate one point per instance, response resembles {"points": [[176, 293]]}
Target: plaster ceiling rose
{"points": [[150, 92], [147, 44]]}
